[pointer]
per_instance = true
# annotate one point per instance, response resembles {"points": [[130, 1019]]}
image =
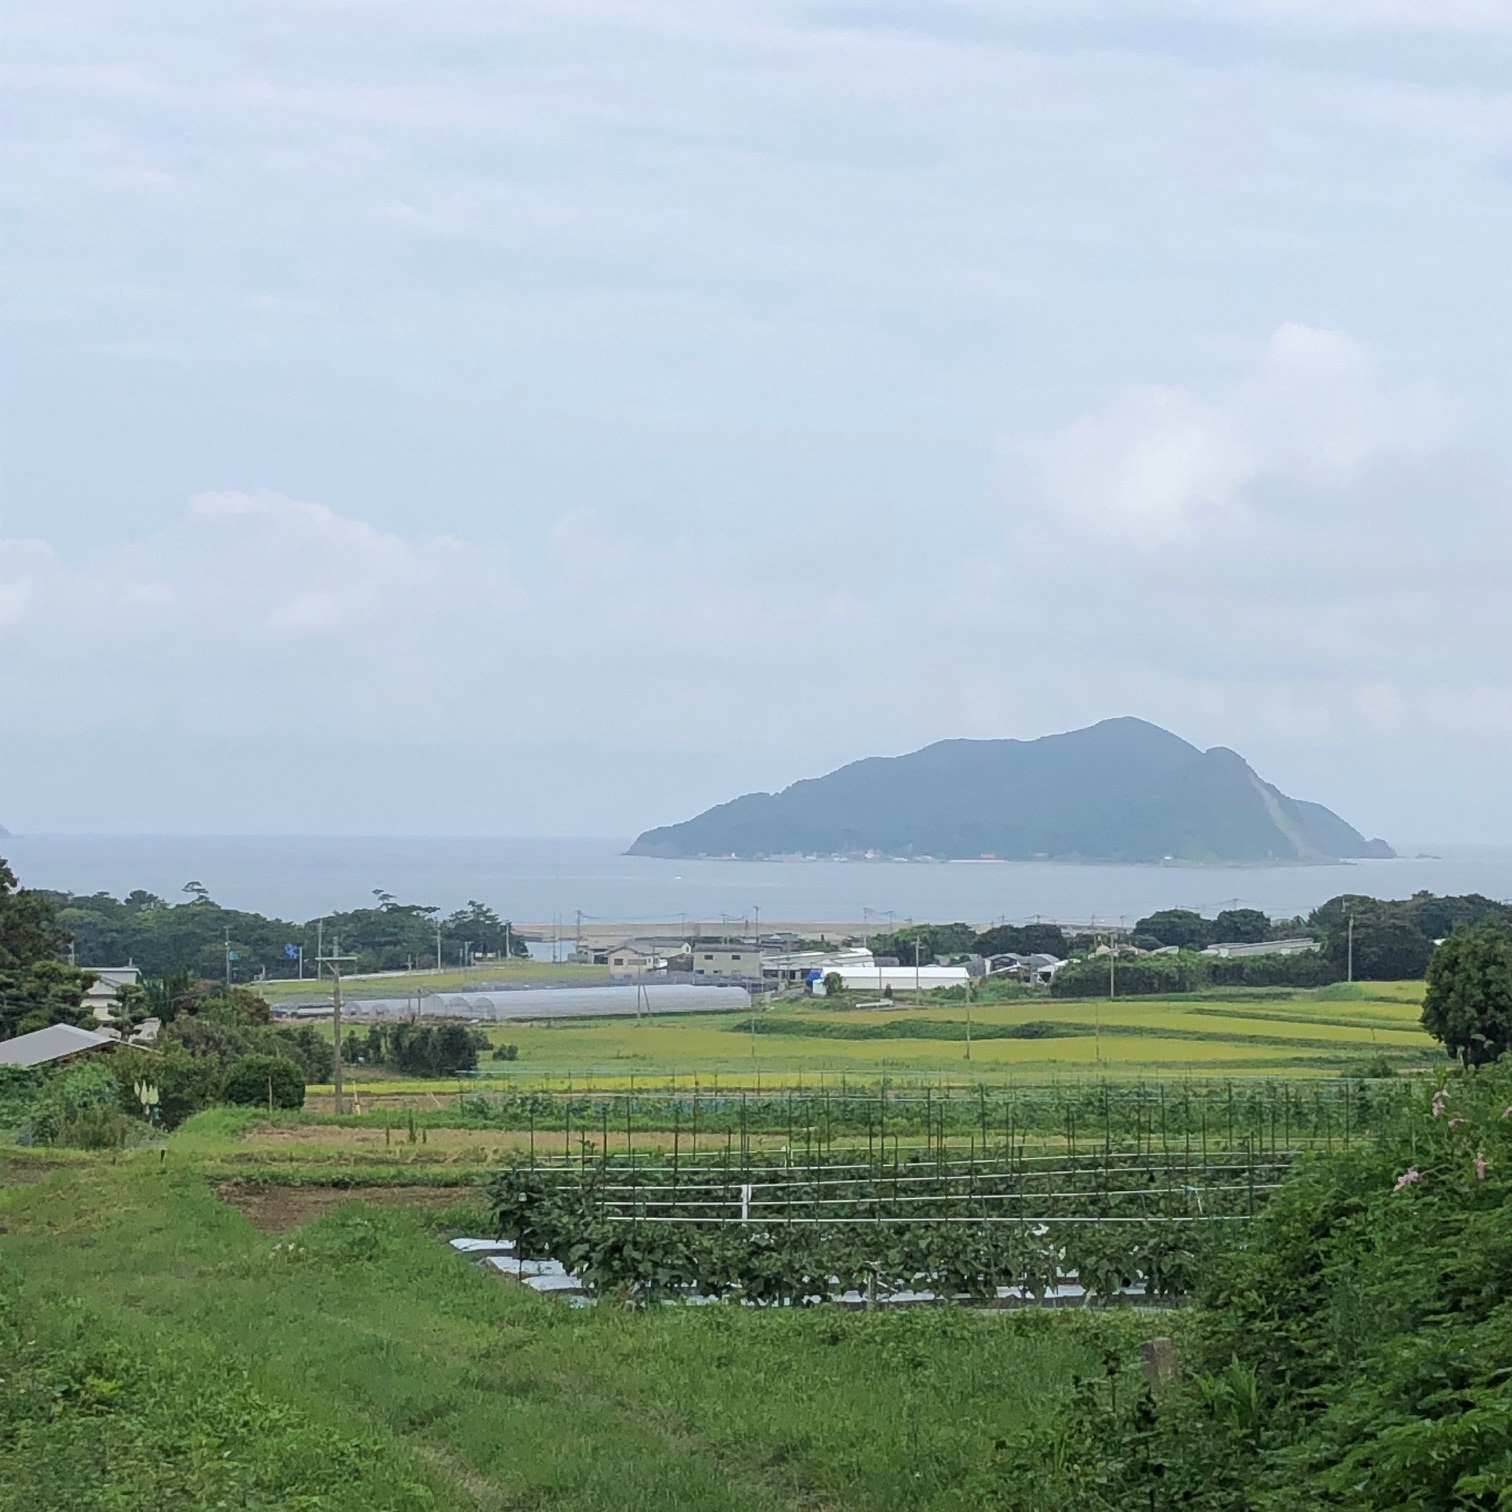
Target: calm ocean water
{"points": [[536, 881]]}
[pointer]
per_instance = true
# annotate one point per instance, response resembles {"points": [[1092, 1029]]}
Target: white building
{"points": [[631, 959], [100, 999], [797, 965], [725, 961], [874, 978], [1262, 947]]}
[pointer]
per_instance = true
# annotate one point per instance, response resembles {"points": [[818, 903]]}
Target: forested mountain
{"points": [[1122, 790]]}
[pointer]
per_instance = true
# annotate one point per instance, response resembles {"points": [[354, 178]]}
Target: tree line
{"points": [[200, 937]]}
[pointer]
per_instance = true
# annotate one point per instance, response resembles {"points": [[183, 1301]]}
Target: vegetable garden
{"points": [[1112, 1191]]}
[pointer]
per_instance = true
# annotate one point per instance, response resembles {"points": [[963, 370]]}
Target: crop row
{"points": [[1275, 1114], [772, 1230]]}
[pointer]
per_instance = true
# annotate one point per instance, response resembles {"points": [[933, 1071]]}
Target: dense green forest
{"points": [[200, 937]]}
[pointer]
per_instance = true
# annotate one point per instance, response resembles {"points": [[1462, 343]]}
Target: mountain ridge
{"points": [[1119, 790]]}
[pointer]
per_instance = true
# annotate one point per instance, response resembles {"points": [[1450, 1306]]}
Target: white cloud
{"points": [[714, 316], [1153, 468], [1160, 466]]}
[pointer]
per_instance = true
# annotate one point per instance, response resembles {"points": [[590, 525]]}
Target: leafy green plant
{"points": [[265, 1080]]}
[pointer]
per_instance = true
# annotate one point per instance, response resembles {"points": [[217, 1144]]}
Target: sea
{"points": [[553, 884]]}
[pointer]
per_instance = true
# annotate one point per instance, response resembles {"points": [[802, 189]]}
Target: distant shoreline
{"points": [[1169, 864]]}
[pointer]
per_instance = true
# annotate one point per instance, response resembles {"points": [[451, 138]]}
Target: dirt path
{"points": [[277, 1209]]}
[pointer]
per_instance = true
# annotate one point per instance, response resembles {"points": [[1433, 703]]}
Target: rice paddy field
{"points": [[1335, 1031]]}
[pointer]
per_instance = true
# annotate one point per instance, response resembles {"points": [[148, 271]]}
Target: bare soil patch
{"points": [[277, 1209]]}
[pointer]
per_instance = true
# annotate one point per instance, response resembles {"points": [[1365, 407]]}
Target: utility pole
{"points": [[1350, 973], [968, 1016], [756, 908], [319, 945], [577, 934], [228, 958], [334, 961], [438, 945], [916, 963], [508, 953]]}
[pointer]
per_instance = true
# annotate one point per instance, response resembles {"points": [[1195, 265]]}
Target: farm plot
{"points": [[967, 1198], [775, 1231]]}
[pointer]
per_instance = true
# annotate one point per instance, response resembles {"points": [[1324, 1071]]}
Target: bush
{"points": [[424, 1050], [1308, 969], [78, 1105], [307, 1047], [1189, 971], [1351, 1354], [506, 1052], [186, 1083], [257, 1080], [1136, 975]]}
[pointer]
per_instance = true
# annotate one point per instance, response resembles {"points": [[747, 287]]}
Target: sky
{"points": [[554, 418]]}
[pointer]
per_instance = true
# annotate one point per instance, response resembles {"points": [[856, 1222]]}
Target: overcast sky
{"points": [[554, 418]]}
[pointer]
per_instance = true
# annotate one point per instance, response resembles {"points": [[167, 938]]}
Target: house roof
{"points": [[56, 1042], [116, 973]]}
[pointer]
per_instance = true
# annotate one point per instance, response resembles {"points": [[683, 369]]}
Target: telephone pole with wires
{"points": [[334, 961]]}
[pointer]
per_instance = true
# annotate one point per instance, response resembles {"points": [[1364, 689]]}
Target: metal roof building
{"points": [[54, 1043]]}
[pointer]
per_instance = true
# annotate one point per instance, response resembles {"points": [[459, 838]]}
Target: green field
{"points": [[161, 1349], [1329, 1032], [516, 972]]}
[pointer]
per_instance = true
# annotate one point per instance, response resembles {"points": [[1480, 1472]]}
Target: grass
{"points": [[162, 1351]]}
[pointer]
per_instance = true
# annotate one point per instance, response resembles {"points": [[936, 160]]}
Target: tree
{"points": [[931, 940], [29, 929], [1180, 927], [36, 987], [1468, 1004], [1022, 939], [834, 984], [1244, 926], [128, 1009], [257, 1080], [456, 1049]]}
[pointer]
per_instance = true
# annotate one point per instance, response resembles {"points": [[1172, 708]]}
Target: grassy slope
{"points": [[173, 1356]]}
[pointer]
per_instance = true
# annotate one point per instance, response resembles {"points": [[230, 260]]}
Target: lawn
{"points": [[162, 1350]]}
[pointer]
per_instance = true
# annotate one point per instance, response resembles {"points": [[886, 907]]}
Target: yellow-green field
{"points": [[1325, 1033], [516, 973]]}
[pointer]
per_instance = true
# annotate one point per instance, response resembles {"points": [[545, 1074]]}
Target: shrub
{"points": [[78, 1105], [506, 1052], [310, 1050], [186, 1083], [257, 1080], [1351, 1354]]}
